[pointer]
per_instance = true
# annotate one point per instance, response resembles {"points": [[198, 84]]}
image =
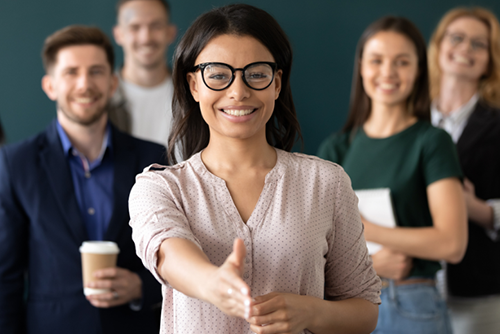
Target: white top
{"points": [[150, 110], [454, 123], [304, 236]]}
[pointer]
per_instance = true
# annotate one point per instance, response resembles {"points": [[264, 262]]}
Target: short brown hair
{"points": [[75, 35], [164, 3], [489, 85]]}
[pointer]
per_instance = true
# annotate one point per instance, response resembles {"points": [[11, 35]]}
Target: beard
{"points": [[87, 121]]}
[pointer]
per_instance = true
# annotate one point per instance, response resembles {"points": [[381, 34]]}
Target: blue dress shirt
{"points": [[93, 183]]}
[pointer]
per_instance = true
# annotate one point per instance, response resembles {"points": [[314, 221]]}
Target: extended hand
{"points": [[123, 284], [279, 313], [225, 287], [391, 264]]}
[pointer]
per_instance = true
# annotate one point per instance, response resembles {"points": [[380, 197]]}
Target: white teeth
{"points": [[83, 100], [387, 86], [238, 112], [462, 60]]}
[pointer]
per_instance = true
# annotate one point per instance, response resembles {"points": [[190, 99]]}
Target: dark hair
{"points": [[75, 35], [189, 130], [418, 103], [164, 3]]}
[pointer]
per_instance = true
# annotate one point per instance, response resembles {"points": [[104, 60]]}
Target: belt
{"points": [[429, 281]]}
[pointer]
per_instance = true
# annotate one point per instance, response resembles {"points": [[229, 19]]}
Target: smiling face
{"points": [[237, 111], [464, 49], [389, 67], [81, 82], [144, 33]]}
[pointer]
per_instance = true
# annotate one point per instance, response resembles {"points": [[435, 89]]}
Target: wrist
{"points": [[206, 289]]}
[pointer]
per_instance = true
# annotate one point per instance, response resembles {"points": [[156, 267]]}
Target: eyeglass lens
{"points": [[219, 76], [475, 44]]}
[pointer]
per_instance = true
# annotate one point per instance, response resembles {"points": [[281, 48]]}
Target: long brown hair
{"points": [[418, 103], [489, 85], [189, 131]]}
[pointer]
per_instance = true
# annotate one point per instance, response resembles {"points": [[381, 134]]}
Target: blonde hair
{"points": [[489, 85]]}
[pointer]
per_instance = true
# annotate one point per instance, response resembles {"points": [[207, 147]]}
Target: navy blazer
{"points": [[41, 230], [478, 150]]}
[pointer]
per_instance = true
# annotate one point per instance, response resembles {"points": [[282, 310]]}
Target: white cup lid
{"points": [[99, 247]]}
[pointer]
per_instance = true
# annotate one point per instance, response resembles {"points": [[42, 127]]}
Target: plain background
{"points": [[323, 35]]}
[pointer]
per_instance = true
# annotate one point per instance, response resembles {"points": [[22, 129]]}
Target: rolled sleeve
{"points": [[155, 215]]}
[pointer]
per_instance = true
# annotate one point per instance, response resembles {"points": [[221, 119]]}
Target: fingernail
{"points": [[247, 302], [244, 291]]}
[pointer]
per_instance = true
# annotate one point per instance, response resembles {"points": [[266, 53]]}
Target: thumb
{"points": [[238, 255]]}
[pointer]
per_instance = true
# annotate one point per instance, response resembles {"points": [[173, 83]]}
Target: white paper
{"points": [[376, 206]]}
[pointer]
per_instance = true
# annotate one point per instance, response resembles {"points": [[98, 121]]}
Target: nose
{"points": [[387, 69], [144, 34], [238, 89], [83, 81]]}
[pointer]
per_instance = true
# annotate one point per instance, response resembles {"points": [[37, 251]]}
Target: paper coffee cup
{"points": [[97, 255]]}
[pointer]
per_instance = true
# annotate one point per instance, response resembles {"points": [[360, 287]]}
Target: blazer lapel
{"points": [[474, 130], [57, 169], [125, 170]]}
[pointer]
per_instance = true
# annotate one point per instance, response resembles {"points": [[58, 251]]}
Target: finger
{"points": [[237, 257], [271, 328], [111, 272], [102, 284], [267, 307]]}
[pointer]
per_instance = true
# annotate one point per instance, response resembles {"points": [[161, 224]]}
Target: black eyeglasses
{"points": [[219, 76]]}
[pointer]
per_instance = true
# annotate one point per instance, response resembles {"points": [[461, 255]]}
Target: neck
{"points": [[142, 76], [87, 139], [385, 120], [233, 156], [455, 92]]}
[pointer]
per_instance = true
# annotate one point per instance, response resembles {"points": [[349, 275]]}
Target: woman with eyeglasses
{"points": [[388, 142], [464, 67], [245, 236]]}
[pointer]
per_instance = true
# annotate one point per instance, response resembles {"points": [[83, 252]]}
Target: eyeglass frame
{"points": [[202, 67], [472, 41]]}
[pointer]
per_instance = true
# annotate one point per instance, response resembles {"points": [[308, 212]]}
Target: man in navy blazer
{"points": [[68, 184]]}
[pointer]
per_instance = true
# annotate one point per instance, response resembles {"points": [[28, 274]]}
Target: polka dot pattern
{"points": [[304, 236]]}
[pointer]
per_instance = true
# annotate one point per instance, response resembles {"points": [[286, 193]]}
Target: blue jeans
{"points": [[412, 309]]}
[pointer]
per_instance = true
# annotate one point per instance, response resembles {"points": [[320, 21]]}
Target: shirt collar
{"points": [[68, 146], [457, 115]]}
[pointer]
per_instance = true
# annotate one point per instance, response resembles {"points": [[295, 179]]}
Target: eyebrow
{"points": [[397, 56]]}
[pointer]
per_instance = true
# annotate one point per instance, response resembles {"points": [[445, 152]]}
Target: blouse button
{"points": [[246, 276]]}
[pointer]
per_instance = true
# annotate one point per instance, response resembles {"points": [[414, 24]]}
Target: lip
{"points": [[249, 112], [387, 87], [462, 60], [85, 101]]}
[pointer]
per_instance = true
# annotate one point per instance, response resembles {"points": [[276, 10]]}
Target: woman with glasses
{"points": [[244, 236], [388, 142], [464, 67]]}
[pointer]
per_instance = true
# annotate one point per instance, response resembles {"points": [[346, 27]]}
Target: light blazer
{"points": [[41, 229], [479, 153]]}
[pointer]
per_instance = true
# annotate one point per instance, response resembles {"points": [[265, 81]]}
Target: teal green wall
{"points": [[323, 34]]}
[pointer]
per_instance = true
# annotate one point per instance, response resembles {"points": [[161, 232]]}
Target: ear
{"points": [[48, 87], [193, 85], [277, 83], [117, 34], [171, 33]]}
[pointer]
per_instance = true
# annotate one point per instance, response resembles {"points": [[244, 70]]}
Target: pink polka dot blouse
{"points": [[304, 236]]}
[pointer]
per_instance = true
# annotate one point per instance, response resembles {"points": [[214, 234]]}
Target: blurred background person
{"points": [[142, 104], [68, 184], [388, 142], [246, 236], [464, 65]]}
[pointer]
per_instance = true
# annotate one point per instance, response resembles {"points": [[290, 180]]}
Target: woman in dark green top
{"points": [[388, 142]]}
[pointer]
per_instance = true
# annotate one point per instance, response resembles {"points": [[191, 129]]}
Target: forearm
{"points": [[480, 212], [347, 316], [184, 266], [425, 242]]}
